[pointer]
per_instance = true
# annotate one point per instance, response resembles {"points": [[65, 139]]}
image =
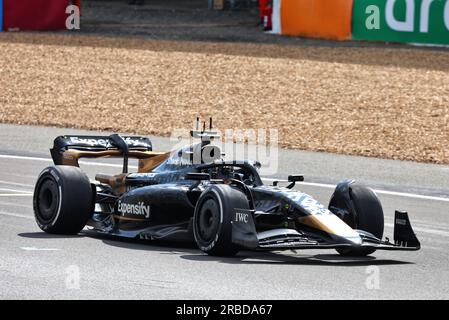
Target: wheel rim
{"points": [[208, 220], [48, 200]]}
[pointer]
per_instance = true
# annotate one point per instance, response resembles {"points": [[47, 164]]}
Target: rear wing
{"points": [[100, 143], [68, 149]]}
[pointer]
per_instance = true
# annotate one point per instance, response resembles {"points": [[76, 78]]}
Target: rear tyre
{"points": [[212, 221], [63, 200], [368, 216]]}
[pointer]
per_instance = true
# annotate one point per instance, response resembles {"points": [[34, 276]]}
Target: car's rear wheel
{"points": [[63, 200], [212, 221], [366, 214]]}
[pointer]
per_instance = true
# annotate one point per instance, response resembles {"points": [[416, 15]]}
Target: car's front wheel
{"points": [[212, 221], [365, 214]]}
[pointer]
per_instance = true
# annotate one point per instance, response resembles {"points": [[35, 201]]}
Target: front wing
{"points": [[245, 235]]}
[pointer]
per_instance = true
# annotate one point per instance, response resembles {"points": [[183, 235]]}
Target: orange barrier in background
{"points": [[325, 19]]}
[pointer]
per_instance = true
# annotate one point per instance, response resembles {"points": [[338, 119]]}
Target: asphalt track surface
{"points": [[35, 265]]}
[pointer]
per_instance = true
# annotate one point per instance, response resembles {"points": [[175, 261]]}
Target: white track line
{"points": [[320, 185], [410, 195], [392, 193], [416, 222], [38, 249], [16, 184], [15, 190], [11, 204], [87, 163], [16, 194], [425, 230], [7, 156], [3, 213]]}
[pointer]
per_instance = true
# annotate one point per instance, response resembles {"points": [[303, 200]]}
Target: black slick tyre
{"points": [[212, 221], [63, 200]]}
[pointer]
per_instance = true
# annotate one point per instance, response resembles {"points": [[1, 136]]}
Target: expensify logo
{"points": [[138, 209]]}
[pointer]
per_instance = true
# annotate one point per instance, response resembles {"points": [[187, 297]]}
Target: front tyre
{"points": [[63, 200], [364, 213], [212, 220]]}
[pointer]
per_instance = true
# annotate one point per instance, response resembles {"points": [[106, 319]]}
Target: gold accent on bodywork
{"points": [[147, 165], [127, 218], [117, 182], [114, 181], [328, 223], [71, 157]]}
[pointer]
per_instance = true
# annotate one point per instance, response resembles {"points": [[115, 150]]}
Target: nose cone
{"points": [[333, 226], [354, 240]]}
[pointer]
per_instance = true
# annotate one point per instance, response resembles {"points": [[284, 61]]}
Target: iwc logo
{"points": [[241, 217]]}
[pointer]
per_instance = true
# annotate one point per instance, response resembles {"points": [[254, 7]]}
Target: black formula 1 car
{"points": [[221, 205]]}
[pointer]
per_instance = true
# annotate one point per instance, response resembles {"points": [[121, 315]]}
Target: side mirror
{"points": [[197, 176], [295, 178]]}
